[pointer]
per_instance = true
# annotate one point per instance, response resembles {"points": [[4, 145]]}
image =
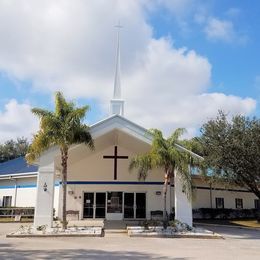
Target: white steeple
{"points": [[116, 103]]}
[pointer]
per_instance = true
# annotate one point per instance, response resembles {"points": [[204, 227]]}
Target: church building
{"points": [[100, 185]]}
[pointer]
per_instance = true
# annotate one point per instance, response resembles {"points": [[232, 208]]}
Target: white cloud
{"points": [[217, 29], [70, 46], [16, 120], [222, 30], [178, 7]]}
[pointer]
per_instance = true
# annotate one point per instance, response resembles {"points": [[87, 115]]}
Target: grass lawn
{"points": [[241, 223], [246, 223]]}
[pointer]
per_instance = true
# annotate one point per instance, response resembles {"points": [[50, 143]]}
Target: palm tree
{"points": [[167, 155], [61, 128]]}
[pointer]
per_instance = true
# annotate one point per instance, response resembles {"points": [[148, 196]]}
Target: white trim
{"points": [[120, 123], [188, 151], [19, 175], [121, 117]]}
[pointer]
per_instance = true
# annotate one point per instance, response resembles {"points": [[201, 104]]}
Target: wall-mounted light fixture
{"points": [[45, 186], [158, 192], [70, 192]]}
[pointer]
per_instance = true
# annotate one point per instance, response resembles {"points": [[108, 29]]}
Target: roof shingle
{"points": [[17, 166]]}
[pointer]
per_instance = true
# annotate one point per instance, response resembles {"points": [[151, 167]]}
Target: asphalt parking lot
{"points": [[238, 244]]}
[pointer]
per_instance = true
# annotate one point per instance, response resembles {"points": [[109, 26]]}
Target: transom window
{"points": [[220, 203]]}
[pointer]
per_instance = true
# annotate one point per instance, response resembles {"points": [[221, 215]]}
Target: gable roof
{"points": [[17, 166], [120, 123]]}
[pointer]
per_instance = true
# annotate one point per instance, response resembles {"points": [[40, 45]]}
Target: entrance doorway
{"points": [[134, 205], [88, 205], [114, 205], [94, 205], [129, 205], [100, 205]]}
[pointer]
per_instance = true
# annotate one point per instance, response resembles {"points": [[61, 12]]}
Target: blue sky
{"points": [[235, 64], [181, 60]]}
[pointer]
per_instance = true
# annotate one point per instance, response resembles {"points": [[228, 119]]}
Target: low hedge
{"points": [[12, 211], [212, 213]]}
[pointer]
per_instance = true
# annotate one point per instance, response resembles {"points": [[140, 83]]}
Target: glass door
{"points": [[140, 205], [114, 205], [88, 205], [100, 205], [128, 205], [114, 202]]}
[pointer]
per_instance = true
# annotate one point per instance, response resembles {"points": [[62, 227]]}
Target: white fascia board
{"points": [[122, 124], [189, 151], [119, 123], [19, 175]]}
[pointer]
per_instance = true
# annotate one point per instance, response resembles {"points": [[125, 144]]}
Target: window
{"points": [[239, 203], [257, 204], [7, 201], [220, 203]]}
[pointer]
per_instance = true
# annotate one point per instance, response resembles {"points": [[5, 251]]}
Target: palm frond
{"points": [[41, 142], [82, 135], [176, 135], [62, 128], [143, 164], [41, 112]]}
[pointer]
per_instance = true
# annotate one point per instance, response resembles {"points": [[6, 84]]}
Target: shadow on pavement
{"points": [[234, 232], [6, 253]]}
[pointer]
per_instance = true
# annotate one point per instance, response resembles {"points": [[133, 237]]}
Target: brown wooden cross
{"points": [[115, 157]]}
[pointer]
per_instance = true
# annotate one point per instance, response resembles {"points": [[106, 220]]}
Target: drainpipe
{"points": [[15, 189]]}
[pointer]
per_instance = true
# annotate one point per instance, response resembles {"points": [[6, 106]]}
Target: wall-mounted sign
{"points": [[158, 192], [87, 201]]}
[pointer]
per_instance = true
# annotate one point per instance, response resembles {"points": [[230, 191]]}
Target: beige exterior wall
{"points": [[95, 168], [26, 197], [90, 172], [203, 199], [153, 201]]}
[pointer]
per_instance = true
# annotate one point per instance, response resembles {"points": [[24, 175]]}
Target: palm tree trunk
{"points": [[64, 159], [165, 186]]}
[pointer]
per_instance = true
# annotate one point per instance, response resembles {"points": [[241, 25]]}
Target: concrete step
{"points": [[115, 231]]}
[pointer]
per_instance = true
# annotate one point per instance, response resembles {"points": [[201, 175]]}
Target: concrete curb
{"points": [[228, 226], [54, 235], [215, 236], [17, 222]]}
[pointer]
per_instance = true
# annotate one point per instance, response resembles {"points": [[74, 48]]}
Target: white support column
{"points": [[45, 190], [183, 206]]}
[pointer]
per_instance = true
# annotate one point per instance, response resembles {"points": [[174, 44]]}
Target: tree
{"points": [[61, 128], [12, 149], [232, 150], [164, 154]]}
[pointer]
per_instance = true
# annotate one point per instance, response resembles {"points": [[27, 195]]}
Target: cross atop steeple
{"points": [[117, 104]]}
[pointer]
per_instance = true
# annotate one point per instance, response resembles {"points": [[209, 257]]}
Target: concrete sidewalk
{"points": [[239, 244]]}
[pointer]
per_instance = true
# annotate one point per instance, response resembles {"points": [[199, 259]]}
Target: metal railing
{"points": [[11, 212]]}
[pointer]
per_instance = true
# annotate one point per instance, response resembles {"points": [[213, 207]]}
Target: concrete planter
{"points": [[56, 232], [170, 232]]}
